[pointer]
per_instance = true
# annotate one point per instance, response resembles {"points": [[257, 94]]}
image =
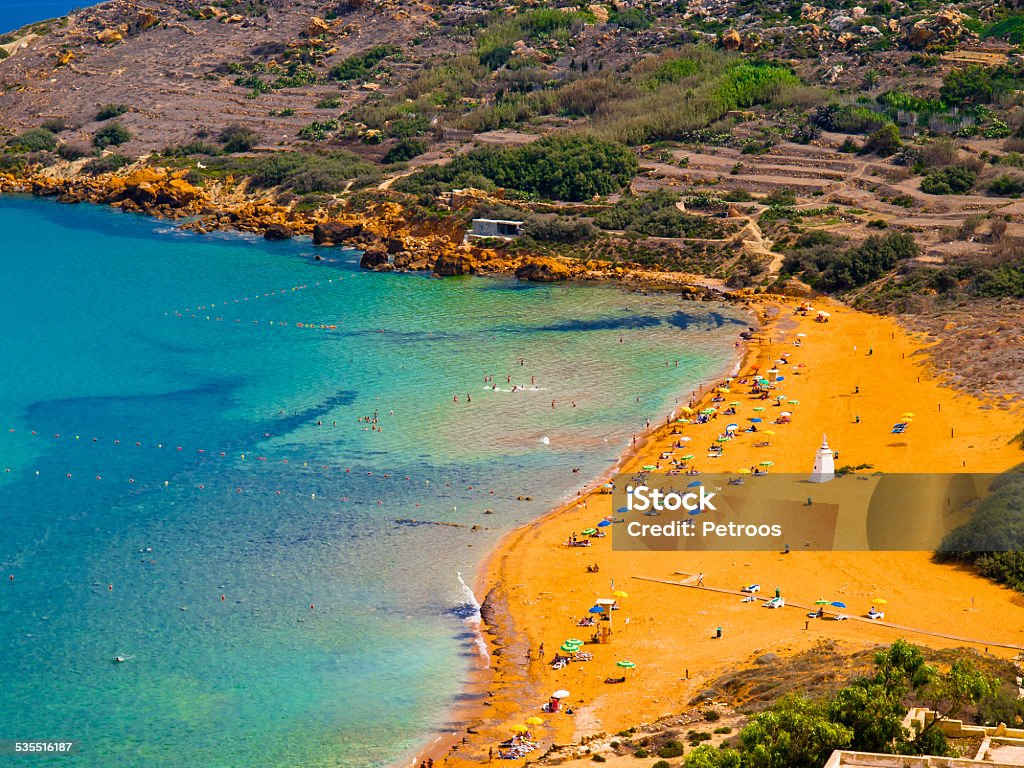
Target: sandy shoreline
{"points": [[535, 587]]}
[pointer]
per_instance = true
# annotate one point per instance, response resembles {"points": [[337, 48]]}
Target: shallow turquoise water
{"points": [[199, 478]]}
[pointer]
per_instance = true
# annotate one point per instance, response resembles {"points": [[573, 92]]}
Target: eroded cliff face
{"points": [[388, 239]]}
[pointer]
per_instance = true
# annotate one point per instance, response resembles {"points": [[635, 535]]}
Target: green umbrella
{"points": [[823, 602], [794, 402], [589, 531], [735, 403], [625, 664], [569, 648], [687, 457], [724, 439], [759, 409], [761, 463], [708, 411], [573, 641], [649, 467]]}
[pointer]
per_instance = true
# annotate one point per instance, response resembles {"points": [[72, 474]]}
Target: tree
{"points": [[795, 733], [884, 141]]}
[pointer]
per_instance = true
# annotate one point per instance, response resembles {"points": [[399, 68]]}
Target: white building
{"points": [[824, 463]]}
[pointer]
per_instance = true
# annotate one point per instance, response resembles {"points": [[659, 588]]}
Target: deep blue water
{"points": [[187, 479], [17, 13]]}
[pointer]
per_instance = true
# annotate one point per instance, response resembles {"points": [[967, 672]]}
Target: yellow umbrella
{"points": [[620, 593], [908, 415], [767, 431], [686, 409], [534, 721], [724, 390], [519, 728], [880, 601], [743, 471]]}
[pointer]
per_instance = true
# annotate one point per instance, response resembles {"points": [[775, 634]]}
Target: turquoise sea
{"points": [[192, 481]]}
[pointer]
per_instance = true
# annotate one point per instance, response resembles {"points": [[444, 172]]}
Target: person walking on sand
{"points": [[542, 650], [700, 579]]}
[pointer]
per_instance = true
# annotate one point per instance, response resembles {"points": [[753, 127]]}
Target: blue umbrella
{"points": [[694, 484], [604, 523], [757, 420], [622, 509], [596, 609], [780, 378], [838, 604]]}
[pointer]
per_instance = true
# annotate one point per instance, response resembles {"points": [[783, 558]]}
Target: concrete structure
{"points": [[502, 228], [824, 463], [1001, 747]]}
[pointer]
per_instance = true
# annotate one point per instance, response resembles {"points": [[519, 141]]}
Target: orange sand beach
{"points": [[538, 588]]}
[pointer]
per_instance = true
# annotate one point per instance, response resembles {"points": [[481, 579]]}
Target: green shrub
{"points": [[781, 196], [72, 151], [884, 141], [660, 764], [106, 164], [1006, 185], [34, 140], [305, 172], [723, 729], [641, 753], [111, 135], [712, 715], [598, 758], [570, 168], [405, 149], [671, 748], [107, 111], [359, 66], [953, 180], [558, 229], [55, 125], [238, 138], [656, 215]]}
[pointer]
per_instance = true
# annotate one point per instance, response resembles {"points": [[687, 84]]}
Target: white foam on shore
{"points": [[474, 619]]}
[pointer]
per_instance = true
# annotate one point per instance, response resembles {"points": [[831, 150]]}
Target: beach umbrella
{"points": [[682, 421], [735, 403], [686, 409], [685, 439], [780, 378], [756, 420], [620, 593], [573, 641], [570, 648], [781, 397], [708, 411], [759, 409], [723, 390], [649, 467], [604, 523], [766, 463], [534, 721], [772, 370], [560, 694], [908, 415], [837, 604], [794, 402], [786, 413], [724, 439], [767, 431], [620, 510], [743, 471], [694, 484], [596, 609], [802, 335], [687, 457], [822, 602], [880, 601], [520, 728], [589, 531], [731, 427], [625, 664]]}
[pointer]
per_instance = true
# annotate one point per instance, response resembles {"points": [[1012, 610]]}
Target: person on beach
{"points": [[542, 644], [700, 579]]}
